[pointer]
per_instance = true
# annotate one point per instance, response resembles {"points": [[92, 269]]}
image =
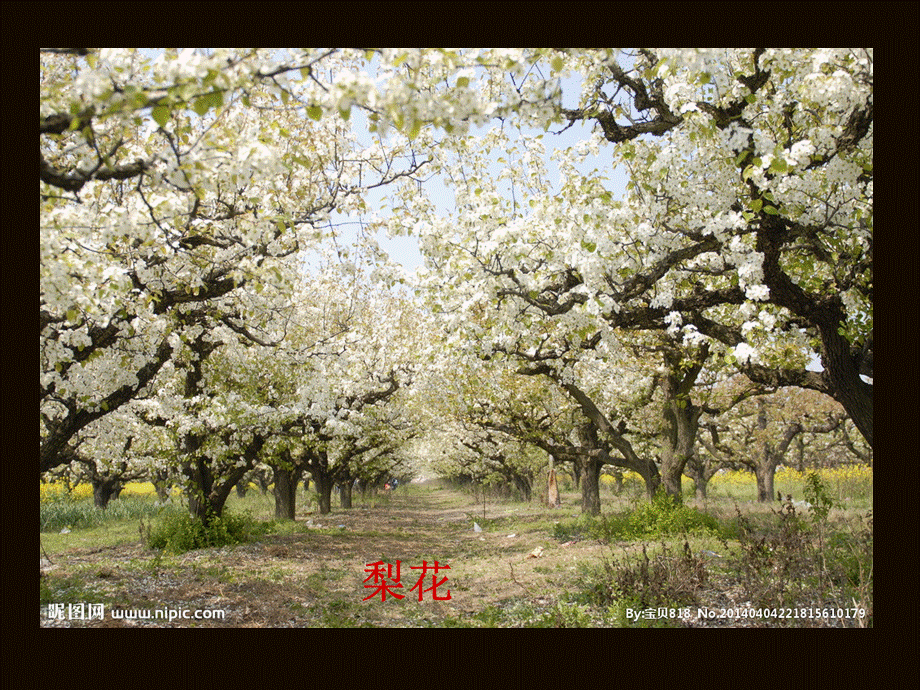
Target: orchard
{"points": [[651, 262]]}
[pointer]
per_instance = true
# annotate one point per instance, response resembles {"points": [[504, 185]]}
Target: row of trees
{"points": [[743, 243], [184, 193]]}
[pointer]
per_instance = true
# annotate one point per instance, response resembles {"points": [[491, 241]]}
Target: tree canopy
{"points": [[185, 196]]}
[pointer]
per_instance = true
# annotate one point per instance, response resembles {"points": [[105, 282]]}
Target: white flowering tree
{"points": [[180, 189], [117, 449], [175, 189], [339, 384], [745, 232], [746, 229]]}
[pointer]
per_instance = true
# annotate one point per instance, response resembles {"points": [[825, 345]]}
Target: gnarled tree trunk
{"points": [[286, 480]]}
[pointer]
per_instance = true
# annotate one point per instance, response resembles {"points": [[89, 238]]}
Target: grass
{"points": [[74, 513], [661, 517], [713, 553], [783, 560]]}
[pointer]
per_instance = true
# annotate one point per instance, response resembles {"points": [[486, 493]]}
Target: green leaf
{"points": [[462, 82], [746, 174], [557, 63], [756, 205], [416, 128], [202, 105], [315, 112], [779, 165], [770, 210], [161, 114], [345, 113]]}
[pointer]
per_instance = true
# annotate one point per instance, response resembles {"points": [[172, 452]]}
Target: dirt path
{"points": [[314, 576]]}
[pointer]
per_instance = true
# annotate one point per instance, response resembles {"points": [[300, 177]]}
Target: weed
{"points": [[662, 517], [180, 532], [666, 579], [807, 562]]}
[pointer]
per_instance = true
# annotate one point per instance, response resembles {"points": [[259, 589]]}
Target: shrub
{"points": [[180, 532], [664, 516], [661, 517], [665, 579], [773, 564]]}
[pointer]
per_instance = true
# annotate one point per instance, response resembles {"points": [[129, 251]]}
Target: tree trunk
{"points": [[681, 421], [104, 490], [590, 485], [671, 478], [552, 489], [648, 470], [699, 472], [522, 484], [345, 493], [208, 495], [324, 486], [765, 468], [285, 491], [161, 485], [700, 486], [800, 454], [200, 479], [765, 473]]}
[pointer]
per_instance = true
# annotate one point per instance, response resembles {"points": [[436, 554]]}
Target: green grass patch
{"points": [[68, 589], [180, 532], [661, 517], [70, 513]]}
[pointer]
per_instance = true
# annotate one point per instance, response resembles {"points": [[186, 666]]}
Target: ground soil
{"points": [[512, 572], [315, 577]]}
